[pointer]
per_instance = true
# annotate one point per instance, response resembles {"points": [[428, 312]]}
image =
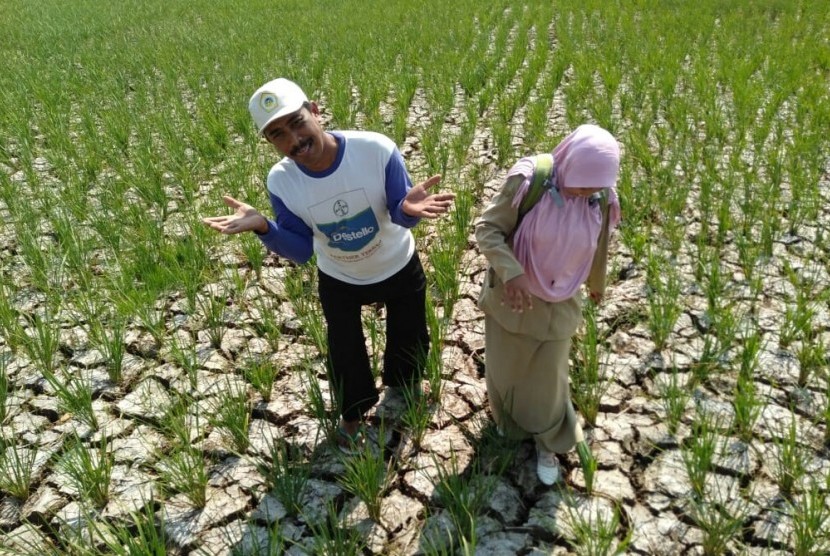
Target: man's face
{"points": [[298, 135]]}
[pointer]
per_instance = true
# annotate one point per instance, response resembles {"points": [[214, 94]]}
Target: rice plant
{"points": [[231, 413], [789, 458], [594, 533], [16, 469], [286, 473], [368, 475], [700, 450], [588, 381], [464, 494], [89, 470]]}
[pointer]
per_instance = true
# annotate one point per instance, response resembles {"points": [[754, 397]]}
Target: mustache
{"points": [[300, 146]]}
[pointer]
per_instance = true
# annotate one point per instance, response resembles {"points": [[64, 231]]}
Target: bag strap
{"points": [[541, 174]]}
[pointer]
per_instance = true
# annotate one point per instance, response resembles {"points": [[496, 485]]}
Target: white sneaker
{"points": [[547, 467]]}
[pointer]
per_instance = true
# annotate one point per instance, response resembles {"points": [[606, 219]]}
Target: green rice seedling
{"points": [[267, 323], [416, 415], [140, 303], [286, 474], [588, 383], [185, 471], [812, 356], [329, 536], [326, 412], [372, 322], [594, 534], [43, 341], [750, 348], [462, 216], [664, 291], [589, 465], [368, 476], [74, 397], [789, 461], [810, 518], [89, 470], [145, 533], [824, 416], [185, 355], [261, 373], [314, 327], [109, 339], [464, 497], [4, 387], [699, 451], [254, 253], [16, 469], [213, 311], [675, 397], [721, 523], [747, 407], [231, 412], [434, 365], [11, 328], [444, 254]]}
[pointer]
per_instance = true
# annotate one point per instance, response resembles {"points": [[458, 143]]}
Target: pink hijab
{"points": [[557, 239]]}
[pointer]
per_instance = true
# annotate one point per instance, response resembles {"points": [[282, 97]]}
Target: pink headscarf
{"points": [[557, 239]]}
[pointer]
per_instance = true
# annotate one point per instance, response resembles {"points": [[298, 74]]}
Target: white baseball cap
{"points": [[274, 100]]}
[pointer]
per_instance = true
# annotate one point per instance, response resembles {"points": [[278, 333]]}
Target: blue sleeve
{"points": [[398, 185], [287, 235]]}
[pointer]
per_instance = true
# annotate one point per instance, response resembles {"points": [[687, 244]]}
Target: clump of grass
{"points": [[146, 533], [595, 533], [789, 458], [327, 414], [464, 497], [16, 469], [664, 292], [261, 373], [184, 471], [232, 413], [810, 518], [675, 397], [416, 415], [747, 407], [4, 389], [286, 474], [329, 536], [720, 524], [699, 452], [588, 382], [89, 470], [74, 396], [367, 475]]}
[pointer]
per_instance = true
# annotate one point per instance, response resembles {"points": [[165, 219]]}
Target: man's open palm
{"points": [[419, 202], [245, 219]]}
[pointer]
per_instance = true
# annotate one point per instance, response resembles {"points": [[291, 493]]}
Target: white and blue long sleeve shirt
{"points": [[350, 214]]}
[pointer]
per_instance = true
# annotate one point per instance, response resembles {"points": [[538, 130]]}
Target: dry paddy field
{"points": [[163, 389]]}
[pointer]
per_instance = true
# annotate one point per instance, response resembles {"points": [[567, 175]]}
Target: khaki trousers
{"points": [[526, 369]]}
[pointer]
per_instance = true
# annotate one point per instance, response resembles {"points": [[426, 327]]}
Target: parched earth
{"points": [[641, 471], [641, 486]]}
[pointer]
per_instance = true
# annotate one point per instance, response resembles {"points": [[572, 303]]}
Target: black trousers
{"points": [[407, 339]]}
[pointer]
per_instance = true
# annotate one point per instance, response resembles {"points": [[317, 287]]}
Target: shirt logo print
{"points": [[340, 208]]}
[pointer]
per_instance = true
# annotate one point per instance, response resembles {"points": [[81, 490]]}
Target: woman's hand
{"points": [[517, 294]]}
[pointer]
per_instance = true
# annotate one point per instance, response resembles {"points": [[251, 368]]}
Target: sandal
{"points": [[347, 443]]}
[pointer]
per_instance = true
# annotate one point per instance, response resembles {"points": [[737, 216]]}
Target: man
{"points": [[346, 197]]}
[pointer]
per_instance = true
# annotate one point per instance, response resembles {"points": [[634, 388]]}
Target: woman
{"points": [[532, 295]]}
